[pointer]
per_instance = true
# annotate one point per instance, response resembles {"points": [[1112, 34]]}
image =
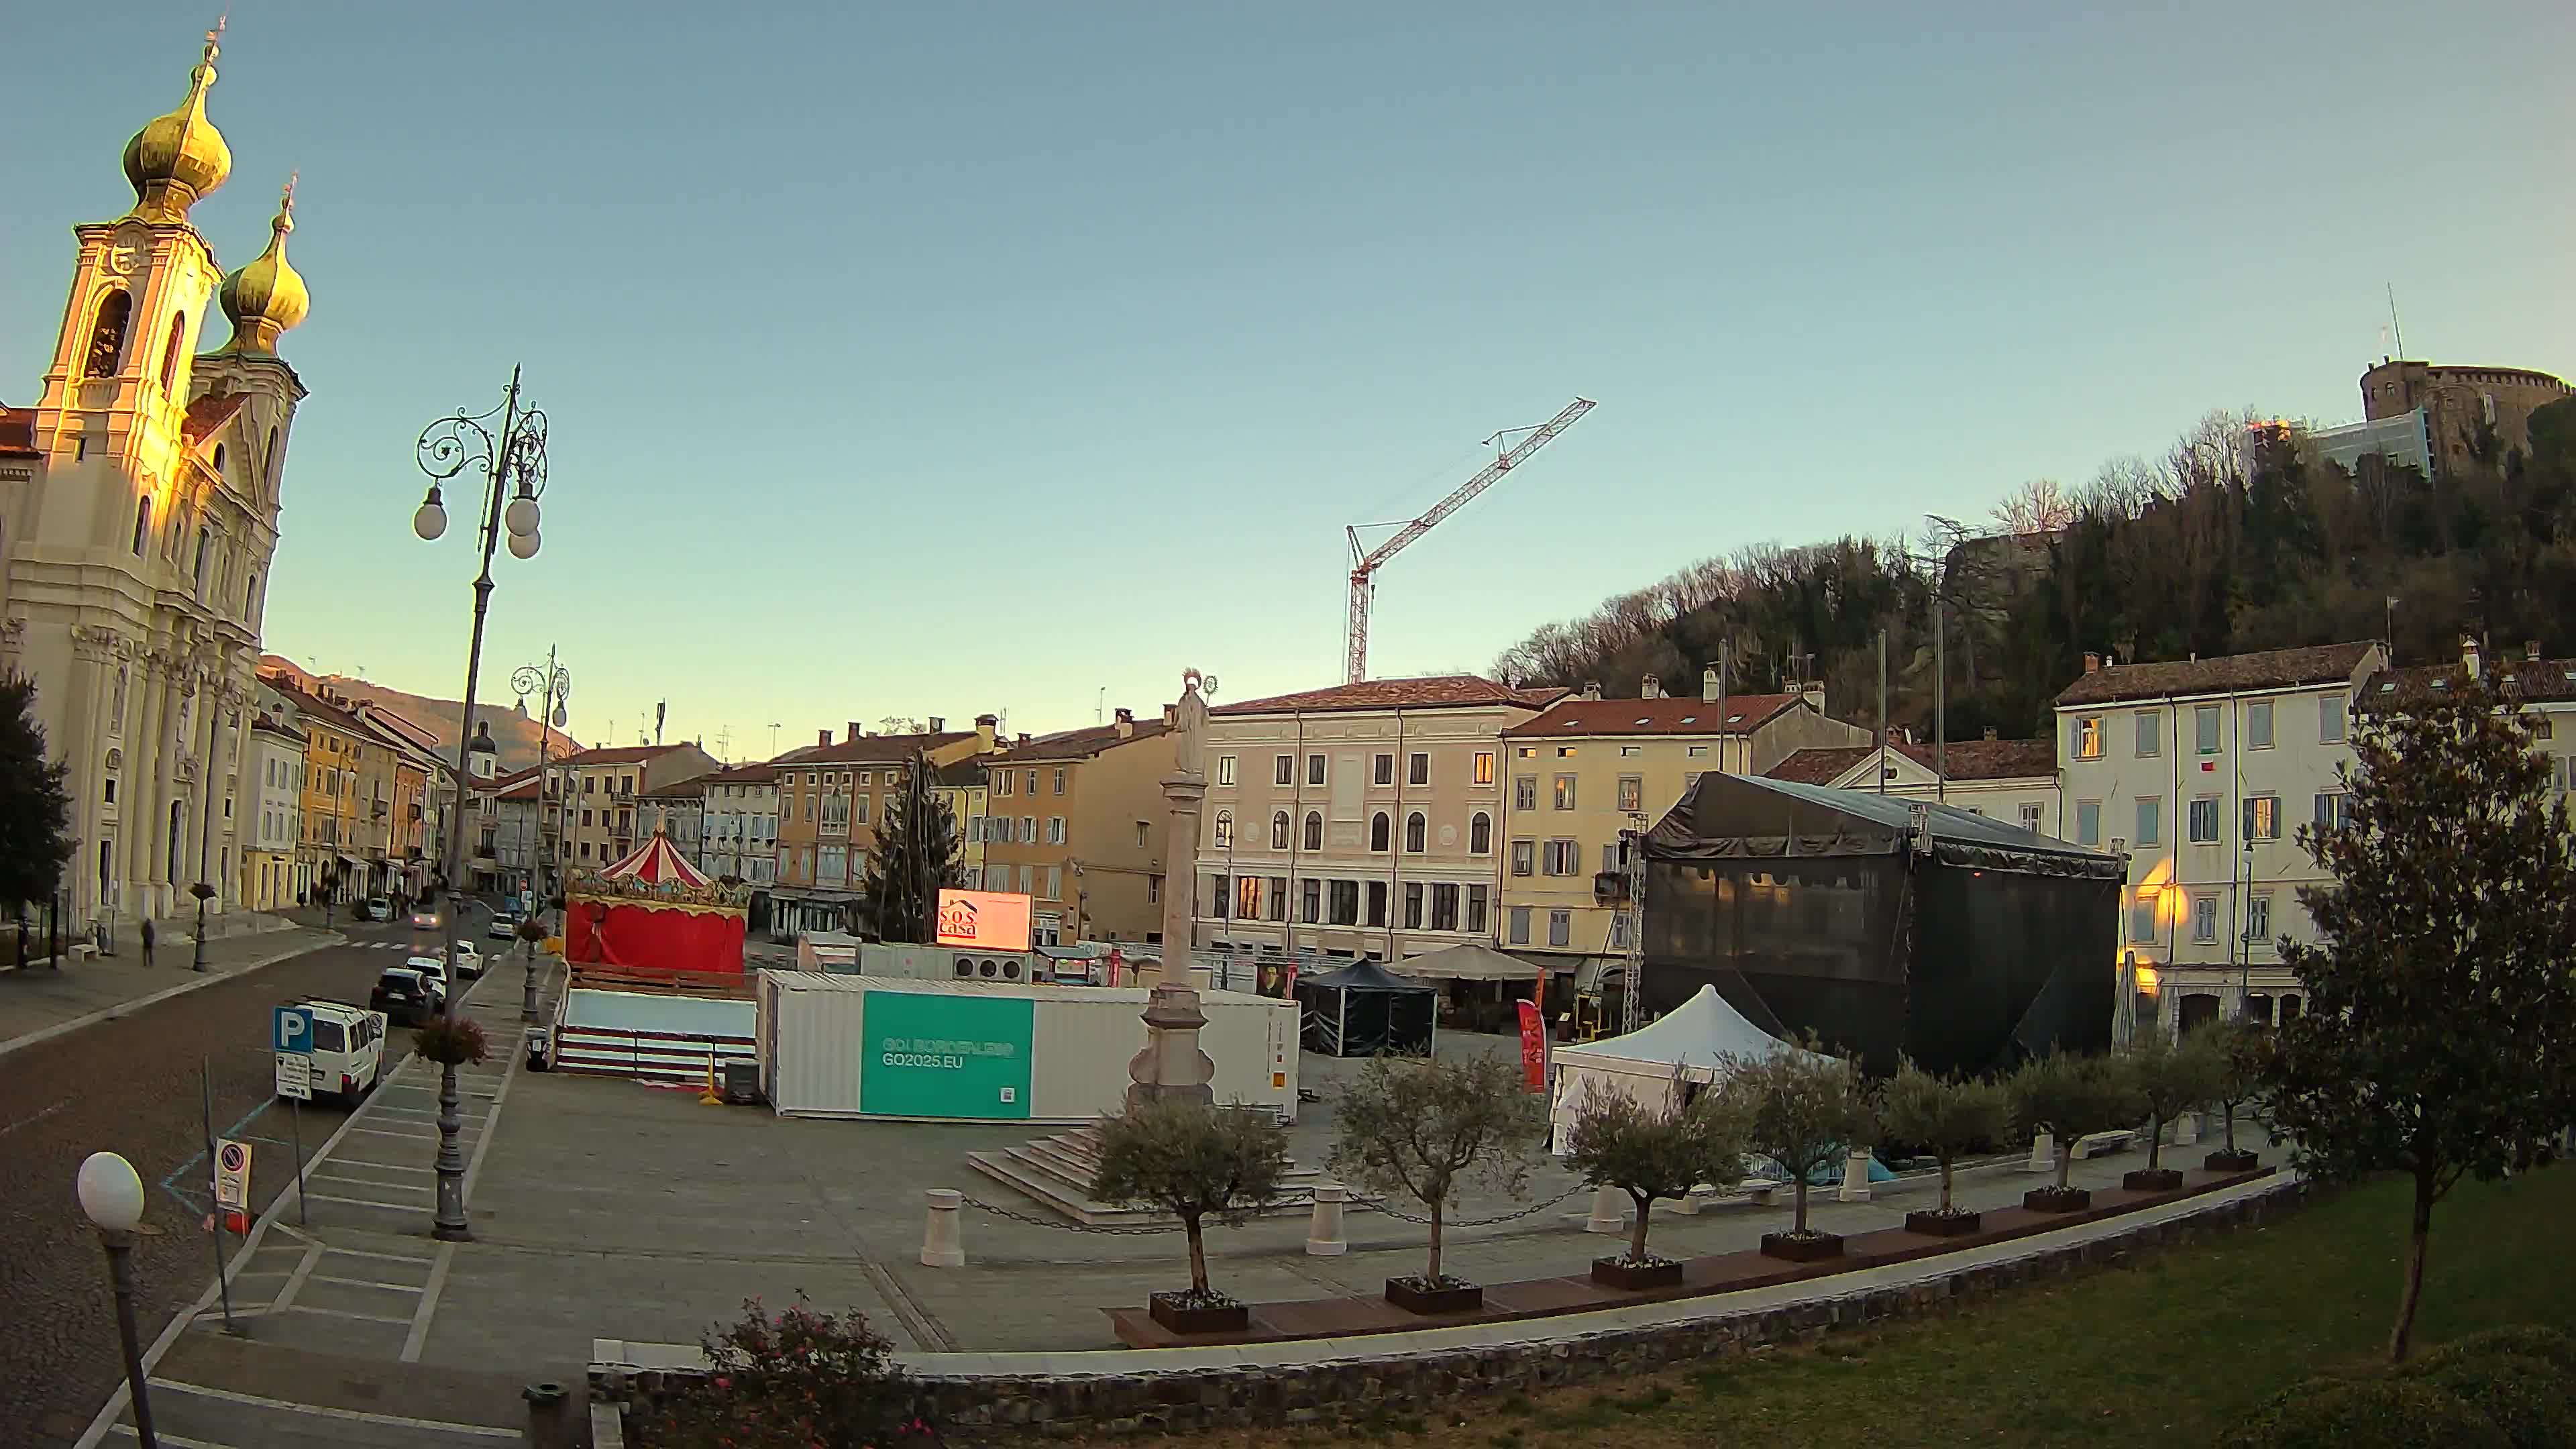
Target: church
{"points": [[138, 515]]}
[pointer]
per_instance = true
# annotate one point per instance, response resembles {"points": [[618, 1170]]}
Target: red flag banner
{"points": [[1533, 1046]]}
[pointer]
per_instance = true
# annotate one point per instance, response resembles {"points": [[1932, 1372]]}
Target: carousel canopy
{"points": [[656, 862], [656, 874]]}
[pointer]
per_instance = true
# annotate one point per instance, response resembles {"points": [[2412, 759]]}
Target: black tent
{"points": [[1364, 1011], [1883, 925]]}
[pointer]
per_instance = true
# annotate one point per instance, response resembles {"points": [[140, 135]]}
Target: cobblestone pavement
{"points": [[130, 1084]]}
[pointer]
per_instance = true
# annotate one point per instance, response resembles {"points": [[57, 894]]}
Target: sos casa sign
{"points": [[984, 920]]}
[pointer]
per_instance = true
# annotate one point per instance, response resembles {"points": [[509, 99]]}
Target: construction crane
{"points": [[1365, 562]]}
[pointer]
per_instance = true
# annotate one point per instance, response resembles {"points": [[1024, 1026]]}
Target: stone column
{"points": [[1324, 1230], [2043, 1154], [1609, 1211], [1855, 1186], [1171, 1067], [941, 1244]]}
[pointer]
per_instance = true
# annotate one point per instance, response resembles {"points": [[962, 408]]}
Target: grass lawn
{"points": [[2169, 1352]]}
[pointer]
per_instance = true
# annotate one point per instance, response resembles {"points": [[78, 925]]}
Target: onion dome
{"points": [[175, 160], [267, 297]]}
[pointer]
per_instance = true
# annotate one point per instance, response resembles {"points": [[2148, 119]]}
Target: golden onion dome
{"points": [[267, 297], [175, 160]]}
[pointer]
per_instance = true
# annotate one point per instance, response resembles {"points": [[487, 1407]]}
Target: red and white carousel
{"points": [[653, 912]]}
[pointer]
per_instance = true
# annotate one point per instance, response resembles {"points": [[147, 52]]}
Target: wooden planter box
{"points": [[2225, 1161], [2152, 1179], [1943, 1225], [1409, 1295], [1180, 1317], [1811, 1249], [1636, 1277], [2056, 1200]]}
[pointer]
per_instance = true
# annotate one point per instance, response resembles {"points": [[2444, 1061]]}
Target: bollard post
{"points": [[1855, 1176], [2186, 1129], [1324, 1230], [941, 1247], [1607, 1212], [546, 1415], [2043, 1154], [1687, 1205]]}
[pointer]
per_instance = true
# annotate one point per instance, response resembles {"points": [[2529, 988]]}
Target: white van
{"points": [[348, 1048]]}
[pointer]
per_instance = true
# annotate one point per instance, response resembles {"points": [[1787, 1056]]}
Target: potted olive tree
{"points": [[1195, 1162], [2242, 1048], [1422, 1130], [2172, 1078], [1803, 1110], [1652, 1153], [1945, 1116], [2069, 1097]]}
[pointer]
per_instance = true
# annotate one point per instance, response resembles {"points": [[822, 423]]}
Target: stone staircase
{"points": [[1058, 1171]]}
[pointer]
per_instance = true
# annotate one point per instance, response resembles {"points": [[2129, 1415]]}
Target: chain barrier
{"points": [[1381, 1205], [1363, 1204]]}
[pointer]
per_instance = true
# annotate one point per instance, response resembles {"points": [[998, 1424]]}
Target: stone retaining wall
{"points": [[997, 1406]]}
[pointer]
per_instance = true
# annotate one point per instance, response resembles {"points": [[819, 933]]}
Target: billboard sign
{"points": [[933, 1054], [985, 920]]}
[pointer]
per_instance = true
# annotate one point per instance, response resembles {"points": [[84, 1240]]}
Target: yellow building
{"points": [[328, 838], [1586, 769], [964, 787], [601, 817], [831, 798], [1076, 821]]}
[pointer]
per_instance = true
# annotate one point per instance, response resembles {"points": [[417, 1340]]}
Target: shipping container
{"points": [[860, 1046]]}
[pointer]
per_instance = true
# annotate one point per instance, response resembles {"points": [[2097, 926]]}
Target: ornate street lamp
{"points": [[515, 458], [111, 1196]]}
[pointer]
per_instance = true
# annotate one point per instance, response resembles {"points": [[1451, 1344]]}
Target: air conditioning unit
{"points": [[941, 963]]}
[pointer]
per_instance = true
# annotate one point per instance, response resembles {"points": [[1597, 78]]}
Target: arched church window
{"points": [[107, 335], [142, 522], [205, 547], [219, 460], [170, 351], [268, 464]]}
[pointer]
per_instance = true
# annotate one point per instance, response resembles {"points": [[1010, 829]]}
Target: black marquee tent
{"points": [[1887, 926], [1363, 1010]]}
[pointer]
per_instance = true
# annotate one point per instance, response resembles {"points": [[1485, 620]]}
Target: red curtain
{"points": [[637, 938]]}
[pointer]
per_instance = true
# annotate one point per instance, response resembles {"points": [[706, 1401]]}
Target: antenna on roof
{"points": [[2395, 327]]}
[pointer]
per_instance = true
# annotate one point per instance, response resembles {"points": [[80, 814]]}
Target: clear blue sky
{"points": [[901, 360]]}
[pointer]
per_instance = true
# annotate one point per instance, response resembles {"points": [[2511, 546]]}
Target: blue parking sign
{"points": [[294, 1030]]}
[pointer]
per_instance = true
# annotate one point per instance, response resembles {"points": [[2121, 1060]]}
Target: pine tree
{"points": [[917, 853], [35, 810], [2440, 1036]]}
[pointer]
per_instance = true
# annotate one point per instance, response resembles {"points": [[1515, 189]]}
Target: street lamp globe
{"points": [[431, 520], [523, 545], [521, 515], [110, 1192]]}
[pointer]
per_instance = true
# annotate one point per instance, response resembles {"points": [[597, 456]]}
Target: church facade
{"points": [[139, 499]]}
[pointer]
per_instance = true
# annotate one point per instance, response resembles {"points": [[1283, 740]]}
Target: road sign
{"points": [[295, 1076], [292, 1029], [232, 1175]]}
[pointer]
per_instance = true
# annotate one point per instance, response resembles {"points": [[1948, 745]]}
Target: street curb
{"points": [[194, 983]]}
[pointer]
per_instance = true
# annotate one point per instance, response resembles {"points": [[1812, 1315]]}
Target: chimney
{"points": [[1651, 688], [1171, 715], [939, 724], [2469, 654], [2531, 651], [1708, 684], [1024, 737], [1592, 689], [1126, 723], [856, 732], [985, 726], [1990, 732], [2092, 662], [822, 737]]}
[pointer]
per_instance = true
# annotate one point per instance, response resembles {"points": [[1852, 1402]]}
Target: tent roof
{"points": [[1363, 975], [1695, 1034], [656, 862], [1467, 961], [1753, 817]]}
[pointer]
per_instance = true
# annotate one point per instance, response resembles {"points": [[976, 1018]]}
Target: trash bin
{"points": [[541, 1044], [742, 1082]]}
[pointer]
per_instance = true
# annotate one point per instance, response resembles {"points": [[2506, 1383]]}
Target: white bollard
{"points": [[1609, 1213], [2186, 1129], [1855, 1177], [2043, 1154], [1687, 1205], [1324, 1230], [940, 1245]]}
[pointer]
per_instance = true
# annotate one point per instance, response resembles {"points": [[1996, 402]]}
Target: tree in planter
{"points": [[2242, 1047], [1652, 1153], [1195, 1162], [2440, 1036], [35, 810], [790, 1381], [917, 854], [1806, 1111], [1945, 1116], [2070, 1097], [2173, 1078], [1424, 1129]]}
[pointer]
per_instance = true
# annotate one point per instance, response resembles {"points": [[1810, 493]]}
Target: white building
{"points": [[2202, 772], [741, 825], [274, 763], [2009, 780], [138, 514]]}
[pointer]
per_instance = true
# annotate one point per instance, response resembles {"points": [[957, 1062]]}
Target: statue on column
{"points": [[1189, 727], [1172, 1067]]}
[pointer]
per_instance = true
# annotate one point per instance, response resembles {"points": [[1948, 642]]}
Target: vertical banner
{"points": [[1533, 1046]]}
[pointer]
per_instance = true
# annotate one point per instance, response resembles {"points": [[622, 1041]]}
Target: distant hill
{"points": [[517, 736]]}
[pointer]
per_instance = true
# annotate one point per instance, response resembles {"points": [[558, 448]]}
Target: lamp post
{"points": [[516, 456], [555, 683], [111, 1195]]}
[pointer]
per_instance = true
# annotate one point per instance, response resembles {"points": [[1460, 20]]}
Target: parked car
{"points": [[407, 995], [505, 926], [469, 962], [375, 908], [348, 1055]]}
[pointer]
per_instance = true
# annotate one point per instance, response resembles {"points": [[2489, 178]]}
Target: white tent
{"points": [[1690, 1042]]}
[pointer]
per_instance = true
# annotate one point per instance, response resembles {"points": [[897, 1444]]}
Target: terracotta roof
{"points": [[1438, 691], [523, 790], [323, 709], [278, 727], [207, 415], [873, 749], [621, 755], [963, 774], [758, 773], [1079, 744], [678, 789], [2227, 674], [1969, 760], [1693, 716], [18, 431], [2546, 680]]}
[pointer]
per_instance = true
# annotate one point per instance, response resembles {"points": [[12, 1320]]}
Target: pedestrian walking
{"points": [[147, 940]]}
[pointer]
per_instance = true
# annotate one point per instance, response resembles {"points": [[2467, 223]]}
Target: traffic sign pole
{"points": [[295, 1129], [206, 1086]]}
